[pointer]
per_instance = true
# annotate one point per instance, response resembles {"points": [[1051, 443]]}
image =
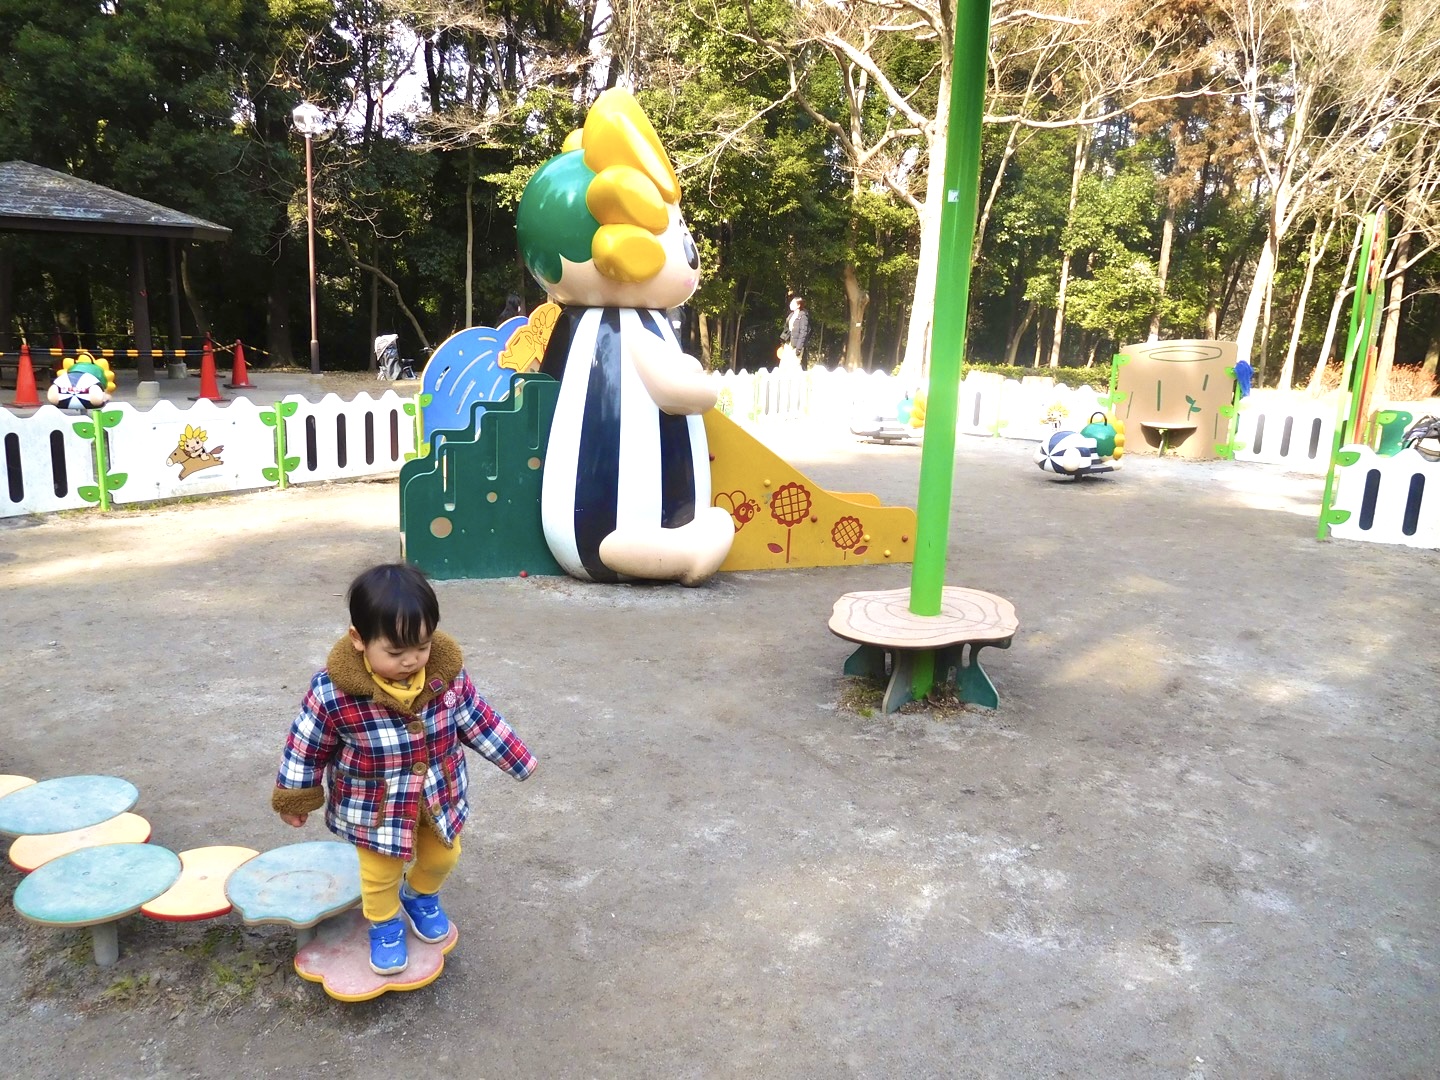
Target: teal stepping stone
{"points": [[64, 804], [300, 885], [96, 886]]}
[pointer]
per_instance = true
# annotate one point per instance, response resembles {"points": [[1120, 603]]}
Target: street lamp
{"points": [[310, 121]]}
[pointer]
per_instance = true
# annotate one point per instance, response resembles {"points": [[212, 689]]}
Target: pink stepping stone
{"points": [[338, 958]]}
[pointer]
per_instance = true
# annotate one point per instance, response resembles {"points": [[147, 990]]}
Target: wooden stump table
{"points": [[64, 804], [890, 636], [96, 887]]}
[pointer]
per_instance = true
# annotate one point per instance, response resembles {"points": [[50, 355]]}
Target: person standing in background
{"points": [[797, 328]]}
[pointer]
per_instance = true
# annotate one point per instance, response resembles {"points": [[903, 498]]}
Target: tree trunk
{"points": [[374, 311], [1318, 244], [1082, 143], [1391, 332], [1162, 270], [197, 309], [916, 366], [1265, 324], [857, 299], [1013, 346], [469, 238], [703, 325], [1264, 276], [277, 322], [394, 291], [1432, 352], [1327, 347]]}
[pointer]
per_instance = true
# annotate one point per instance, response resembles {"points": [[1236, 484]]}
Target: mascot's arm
{"points": [[675, 380]]}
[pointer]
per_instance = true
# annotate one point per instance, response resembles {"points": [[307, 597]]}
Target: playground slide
{"points": [[470, 508]]}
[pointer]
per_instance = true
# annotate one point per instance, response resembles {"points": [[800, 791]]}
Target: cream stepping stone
{"points": [[299, 885], [29, 853], [891, 636], [10, 782], [338, 958], [96, 887], [65, 804], [200, 891]]}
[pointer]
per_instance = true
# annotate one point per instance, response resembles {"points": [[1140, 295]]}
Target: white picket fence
{"points": [[1391, 500], [1286, 429], [46, 462]]}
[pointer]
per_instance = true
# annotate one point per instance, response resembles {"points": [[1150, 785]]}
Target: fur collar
{"points": [[347, 671]]}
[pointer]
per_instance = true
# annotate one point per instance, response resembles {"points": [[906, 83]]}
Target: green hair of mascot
{"points": [[599, 224]]}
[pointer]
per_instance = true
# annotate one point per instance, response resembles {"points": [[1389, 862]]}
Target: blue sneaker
{"points": [[387, 947], [424, 914]]}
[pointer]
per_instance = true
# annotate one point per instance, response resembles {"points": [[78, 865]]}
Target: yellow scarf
{"points": [[405, 693]]}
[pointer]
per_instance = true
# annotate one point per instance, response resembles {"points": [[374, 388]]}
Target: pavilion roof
{"points": [[36, 199]]}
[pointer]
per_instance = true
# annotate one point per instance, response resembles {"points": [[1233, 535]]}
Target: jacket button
{"points": [[417, 727], [419, 768]]}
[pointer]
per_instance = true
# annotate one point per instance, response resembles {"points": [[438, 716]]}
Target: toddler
{"points": [[383, 722]]}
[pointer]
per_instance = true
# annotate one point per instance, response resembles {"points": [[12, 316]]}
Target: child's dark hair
{"points": [[393, 601]]}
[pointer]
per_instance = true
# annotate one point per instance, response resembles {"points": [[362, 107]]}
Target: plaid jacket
{"points": [[382, 761]]}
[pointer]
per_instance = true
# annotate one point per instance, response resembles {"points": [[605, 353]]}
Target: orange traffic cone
{"points": [[239, 377], [209, 386], [25, 393]]}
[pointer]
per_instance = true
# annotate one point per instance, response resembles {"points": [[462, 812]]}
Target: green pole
{"points": [[1361, 311], [952, 302]]}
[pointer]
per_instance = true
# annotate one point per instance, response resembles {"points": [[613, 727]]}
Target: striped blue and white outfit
{"points": [[614, 459]]}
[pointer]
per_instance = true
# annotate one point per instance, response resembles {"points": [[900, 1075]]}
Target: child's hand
{"points": [[296, 820]]}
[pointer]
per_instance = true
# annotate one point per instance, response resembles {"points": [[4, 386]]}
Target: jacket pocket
{"points": [[457, 780], [359, 801]]}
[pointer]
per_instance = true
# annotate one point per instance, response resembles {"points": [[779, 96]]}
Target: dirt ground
{"points": [[1197, 839]]}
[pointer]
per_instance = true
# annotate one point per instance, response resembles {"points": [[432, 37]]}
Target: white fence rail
{"points": [[1280, 429], [45, 462], [1391, 500], [166, 452]]}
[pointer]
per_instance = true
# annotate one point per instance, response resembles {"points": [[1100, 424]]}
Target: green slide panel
{"points": [[470, 508]]}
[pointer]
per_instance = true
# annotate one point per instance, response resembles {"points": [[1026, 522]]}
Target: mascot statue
{"points": [[625, 493]]}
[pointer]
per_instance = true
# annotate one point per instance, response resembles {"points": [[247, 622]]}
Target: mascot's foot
{"points": [[690, 554]]}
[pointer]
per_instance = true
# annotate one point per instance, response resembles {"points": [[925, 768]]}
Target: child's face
{"points": [[390, 661]]}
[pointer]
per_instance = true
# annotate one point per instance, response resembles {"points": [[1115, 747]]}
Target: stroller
{"points": [[388, 365], [1424, 437]]}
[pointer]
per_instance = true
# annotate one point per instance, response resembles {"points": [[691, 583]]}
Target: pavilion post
{"points": [[7, 277], [177, 332], [140, 315]]}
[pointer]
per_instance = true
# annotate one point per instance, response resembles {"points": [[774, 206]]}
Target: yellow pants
{"points": [[380, 875]]}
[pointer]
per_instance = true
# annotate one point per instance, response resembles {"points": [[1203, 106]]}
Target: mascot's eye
{"points": [[692, 256]]}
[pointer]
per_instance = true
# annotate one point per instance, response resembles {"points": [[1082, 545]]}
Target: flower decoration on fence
{"points": [[1055, 415], [275, 418], [94, 429], [789, 506], [846, 535]]}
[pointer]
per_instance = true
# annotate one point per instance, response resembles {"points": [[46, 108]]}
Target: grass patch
{"points": [[861, 695]]}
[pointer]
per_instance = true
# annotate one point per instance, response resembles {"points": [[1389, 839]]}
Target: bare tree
{"points": [[1326, 86]]}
